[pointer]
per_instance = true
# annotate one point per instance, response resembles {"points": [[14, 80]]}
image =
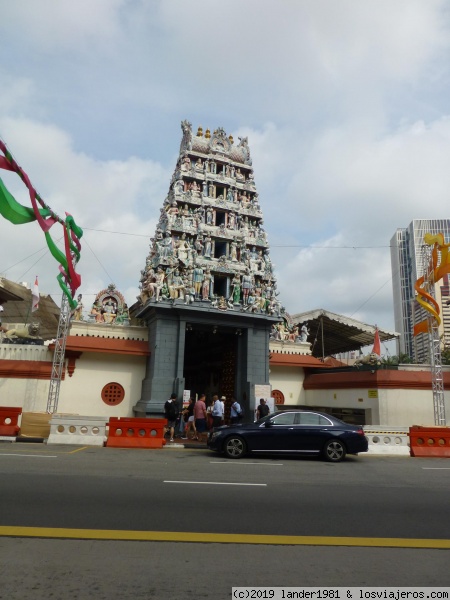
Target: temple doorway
{"points": [[210, 361]]}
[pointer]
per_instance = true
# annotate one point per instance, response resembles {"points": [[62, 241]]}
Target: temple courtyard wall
{"points": [[104, 371]]}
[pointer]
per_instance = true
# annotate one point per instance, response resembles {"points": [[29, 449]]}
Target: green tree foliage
{"points": [[395, 360]]}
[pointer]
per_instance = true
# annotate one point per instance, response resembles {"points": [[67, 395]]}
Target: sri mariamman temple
{"points": [[208, 290], [207, 319], [210, 244]]}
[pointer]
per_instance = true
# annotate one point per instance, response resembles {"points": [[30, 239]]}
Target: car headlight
{"points": [[215, 435]]}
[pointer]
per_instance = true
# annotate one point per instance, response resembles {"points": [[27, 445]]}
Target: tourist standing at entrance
{"points": [[200, 417], [235, 411], [262, 410], [209, 418], [183, 420], [217, 411], [171, 414], [190, 425]]}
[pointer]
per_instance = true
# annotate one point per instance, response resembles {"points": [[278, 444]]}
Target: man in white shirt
{"points": [[218, 411]]}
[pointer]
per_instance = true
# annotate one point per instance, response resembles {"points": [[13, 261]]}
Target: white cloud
{"points": [[102, 196], [344, 104], [52, 25]]}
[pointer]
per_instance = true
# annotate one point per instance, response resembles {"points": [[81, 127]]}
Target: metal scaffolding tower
{"points": [[59, 354], [437, 380]]}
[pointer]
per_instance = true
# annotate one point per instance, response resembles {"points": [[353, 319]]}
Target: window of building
{"points": [[113, 394], [279, 396]]}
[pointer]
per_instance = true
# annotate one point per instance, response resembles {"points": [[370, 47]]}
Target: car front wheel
{"points": [[334, 451], [235, 447]]}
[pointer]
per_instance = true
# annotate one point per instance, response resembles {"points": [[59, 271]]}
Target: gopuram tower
{"points": [[208, 291]]}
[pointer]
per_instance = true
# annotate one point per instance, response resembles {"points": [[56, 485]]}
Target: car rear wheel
{"points": [[235, 447], [334, 451]]}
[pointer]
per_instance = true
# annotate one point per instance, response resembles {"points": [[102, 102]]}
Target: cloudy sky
{"points": [[345, 104]]}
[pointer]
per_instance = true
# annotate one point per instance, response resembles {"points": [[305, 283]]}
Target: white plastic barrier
{"points": [[387, 440], [75, 429]]}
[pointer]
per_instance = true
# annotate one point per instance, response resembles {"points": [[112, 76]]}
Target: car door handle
{"points": [[291, 428]]}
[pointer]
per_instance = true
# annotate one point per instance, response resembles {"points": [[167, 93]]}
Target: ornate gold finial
{"points": [[230, 137], [207, 133], [200, 131]]}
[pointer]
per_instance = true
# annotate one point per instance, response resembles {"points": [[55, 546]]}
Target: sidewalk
{"points": [[179, 442]]}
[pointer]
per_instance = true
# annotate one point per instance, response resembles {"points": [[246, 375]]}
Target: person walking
{"points": [[171, 413], [235, 411], [200, 418], [262, 410], [217, 411], [190, 425]]}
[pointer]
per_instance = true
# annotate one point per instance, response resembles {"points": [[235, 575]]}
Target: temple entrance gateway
{"points": [[210, 361], [186, 354], [208, 269]]}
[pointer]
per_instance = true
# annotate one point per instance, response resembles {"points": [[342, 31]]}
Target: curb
{"points": [[170, 445]]}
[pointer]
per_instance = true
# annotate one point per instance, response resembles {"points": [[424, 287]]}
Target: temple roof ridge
{"points": [[216, 144]]}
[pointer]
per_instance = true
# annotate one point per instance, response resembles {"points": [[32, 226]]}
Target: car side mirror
{"points": [[268, 423]]}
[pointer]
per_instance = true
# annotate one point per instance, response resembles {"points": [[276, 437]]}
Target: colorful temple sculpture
{"points": [[109, 308], [208, 269], [210, 244]]}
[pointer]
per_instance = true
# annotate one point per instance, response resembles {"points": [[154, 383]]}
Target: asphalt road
{"points": [[115, 494]]}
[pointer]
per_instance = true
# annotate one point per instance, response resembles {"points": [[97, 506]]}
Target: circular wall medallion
{"points": [[113, 394], [279, 396]]}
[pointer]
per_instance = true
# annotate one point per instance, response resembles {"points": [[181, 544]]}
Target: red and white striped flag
{"points": [[35, 296]]}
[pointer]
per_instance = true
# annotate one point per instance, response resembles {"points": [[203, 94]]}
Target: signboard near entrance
{"points": [[186, 396], [263, 391]]}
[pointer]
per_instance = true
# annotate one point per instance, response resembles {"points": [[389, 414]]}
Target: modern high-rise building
{"points": [[407, 261]]}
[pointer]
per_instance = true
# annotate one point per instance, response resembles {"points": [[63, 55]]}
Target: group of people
{"points": [[198, 417]]}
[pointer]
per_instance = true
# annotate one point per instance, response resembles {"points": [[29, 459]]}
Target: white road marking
{"points": [[31, 455], [239, 462], [436, 468], [216, 483]]}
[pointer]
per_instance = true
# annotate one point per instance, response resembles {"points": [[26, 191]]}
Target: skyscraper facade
{"points": [[408, 264]]}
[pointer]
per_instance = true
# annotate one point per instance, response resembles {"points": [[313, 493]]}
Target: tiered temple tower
{"points": [[208, 291]]}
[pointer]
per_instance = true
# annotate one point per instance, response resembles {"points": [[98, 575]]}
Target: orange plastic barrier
{"points": [[9, 418], [429, 441], [136, 433]]}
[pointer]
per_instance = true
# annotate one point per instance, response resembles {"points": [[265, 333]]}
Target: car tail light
{"points": [[361, 431]]}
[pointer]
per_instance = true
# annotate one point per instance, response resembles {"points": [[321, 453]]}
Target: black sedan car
{"points": [[300, 432]]}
